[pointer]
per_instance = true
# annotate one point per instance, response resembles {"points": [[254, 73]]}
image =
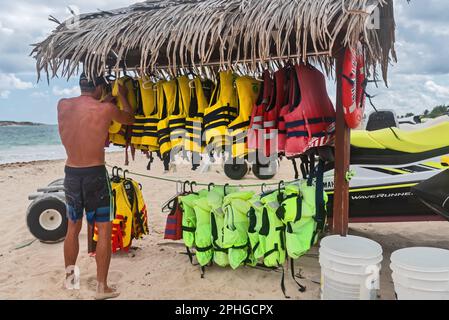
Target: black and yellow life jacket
{"points": [[221, 112], [150, 136], [130, 212], [248, 92], [177, 119], [146, 106], [167, 100], [200, 95], [118, 133]]}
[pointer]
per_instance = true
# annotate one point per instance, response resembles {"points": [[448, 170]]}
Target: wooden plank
{"points": [[342, 159]]}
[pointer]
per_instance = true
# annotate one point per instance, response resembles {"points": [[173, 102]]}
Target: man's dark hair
{"points": [[87, 85]]}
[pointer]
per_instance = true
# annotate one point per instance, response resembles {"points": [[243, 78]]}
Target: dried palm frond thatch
{"points": [[181, 33]]}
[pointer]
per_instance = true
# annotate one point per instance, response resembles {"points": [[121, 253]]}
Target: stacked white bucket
{"points": [[421, 274], [350, 268]]}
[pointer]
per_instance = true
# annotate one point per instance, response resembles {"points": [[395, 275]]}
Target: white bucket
{"points": [[421, 273], [350, 268]]}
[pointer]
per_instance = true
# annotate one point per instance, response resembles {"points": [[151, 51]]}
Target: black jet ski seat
{"points": [[393, 146]]}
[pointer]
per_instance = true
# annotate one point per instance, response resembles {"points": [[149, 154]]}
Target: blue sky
{"points": [[419, 81]]}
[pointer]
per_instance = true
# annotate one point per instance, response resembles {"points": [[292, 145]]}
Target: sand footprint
{"points": [[115, 278]]}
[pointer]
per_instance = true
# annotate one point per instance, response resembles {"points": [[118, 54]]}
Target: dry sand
{"points": [[157, 269]]}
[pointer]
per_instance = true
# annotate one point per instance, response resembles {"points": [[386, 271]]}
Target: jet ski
{"points": [[387, 165], [434, 193]]}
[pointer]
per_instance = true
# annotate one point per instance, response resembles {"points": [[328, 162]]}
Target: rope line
{"points": [[204, 184]]}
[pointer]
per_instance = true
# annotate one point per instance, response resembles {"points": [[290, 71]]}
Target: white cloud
{"points": [[5, 31], [440, 91], [5, 94], [39, 94], [57, 91], [9, 82]]}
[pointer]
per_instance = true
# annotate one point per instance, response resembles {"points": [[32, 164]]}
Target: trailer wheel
{"points": [[59, 182], [236, 171], [47, 220], [265, 172]]}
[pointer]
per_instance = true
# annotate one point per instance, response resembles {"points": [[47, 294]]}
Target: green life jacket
{"points": [[255, 224], [188, 219], [203, 238], [298, 212], [236, 224], [273, 232], [297, 215], [217, 223]]}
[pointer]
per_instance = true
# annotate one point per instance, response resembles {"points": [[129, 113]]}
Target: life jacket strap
{"points": [[283, 284], [240, 125], [188, 229], [241, 247], [305, 134], [145, 134], [269, 253], [298, 208], [320, 216], [177, 121], [294, 124], [204, 249], [295, 167], [203, 272], [150, 162], [292, 268], [189, 253], [220, 113]]}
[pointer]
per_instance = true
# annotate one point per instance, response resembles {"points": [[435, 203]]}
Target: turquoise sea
{"points": [[31, 143]]}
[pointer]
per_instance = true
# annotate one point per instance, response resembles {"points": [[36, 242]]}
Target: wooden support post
{"points": [[342, 159]]}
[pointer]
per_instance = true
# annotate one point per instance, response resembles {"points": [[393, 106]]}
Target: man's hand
{"points": [[122, 91]]}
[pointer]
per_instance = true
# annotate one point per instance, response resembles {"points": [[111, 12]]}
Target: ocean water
{"points": [[31, 143]]}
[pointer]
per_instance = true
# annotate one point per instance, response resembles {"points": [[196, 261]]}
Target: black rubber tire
{"points": [[34, 213], [236, 171], [272, 167]]}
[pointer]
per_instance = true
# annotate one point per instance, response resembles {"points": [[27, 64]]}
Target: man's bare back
{"points": [[84, 127]]}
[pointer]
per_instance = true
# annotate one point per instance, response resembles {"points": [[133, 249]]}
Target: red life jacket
{"points": [[271, 114], [257, 117], [309, 125], [173, 229], [294, 98]]}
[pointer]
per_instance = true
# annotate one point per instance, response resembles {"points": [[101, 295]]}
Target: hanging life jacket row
{"points": [[228, 227], [130, 212], [284, 115]]}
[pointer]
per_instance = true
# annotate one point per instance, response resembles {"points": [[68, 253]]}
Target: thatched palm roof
{"points": [[193, 32]]}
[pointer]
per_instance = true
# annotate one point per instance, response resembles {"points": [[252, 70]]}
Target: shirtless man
{"points": [[83, 126]]}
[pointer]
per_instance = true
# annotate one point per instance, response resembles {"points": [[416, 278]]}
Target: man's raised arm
{"points": [[126, 115]]}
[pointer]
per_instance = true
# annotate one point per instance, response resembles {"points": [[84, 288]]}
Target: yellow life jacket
{"points": [[140, 218], [168, 103], [131, 217], [150, 135], [248, 91], [221, 112], [200, 94], [131, 97], [177, 119], [147, 98], [148, 95], [123, 212]]}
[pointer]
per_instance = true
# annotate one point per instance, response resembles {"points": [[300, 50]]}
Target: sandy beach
{"points": [[156, 269]]}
